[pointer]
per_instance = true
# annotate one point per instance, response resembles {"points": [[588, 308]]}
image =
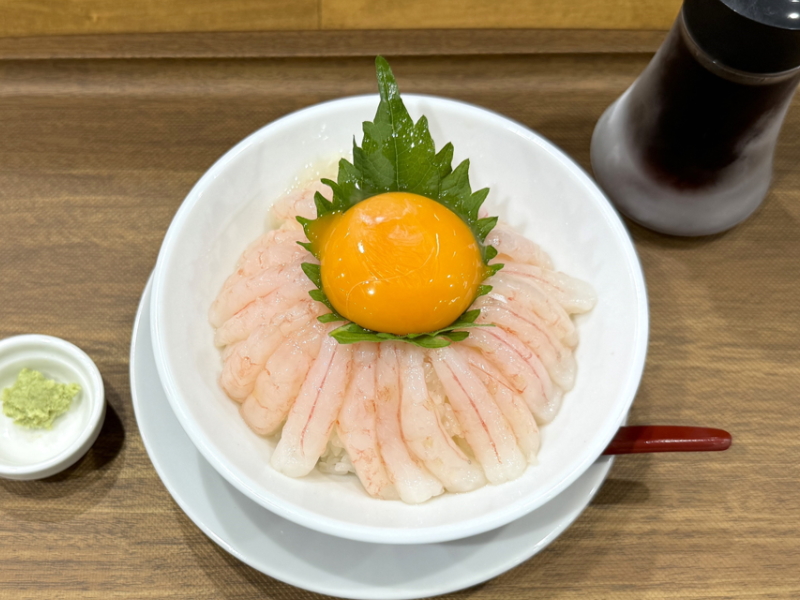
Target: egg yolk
{"points": [[398, 263]]}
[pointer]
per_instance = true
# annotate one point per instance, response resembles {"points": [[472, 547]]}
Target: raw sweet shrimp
{"points": [[411, 422], [357, 424], [312, 416], [485, 428], [423, 432]]}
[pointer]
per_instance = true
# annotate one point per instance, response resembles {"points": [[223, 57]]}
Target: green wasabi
{"points": [[35, 401]]}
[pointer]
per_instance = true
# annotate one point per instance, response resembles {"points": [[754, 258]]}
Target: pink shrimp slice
{"points": [[519, 293], [312, 417], [356, 424], [263, 310], [557, 358], [485, 429], [574, 295], [414, 483], [423, 431], [279, 382], [232, 299], [511, 404], [515, 246], [521, 367], [275, 247], [299, 203], [245, 359]]}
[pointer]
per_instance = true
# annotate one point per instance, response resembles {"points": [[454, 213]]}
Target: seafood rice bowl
{"points": [[535, 190]]}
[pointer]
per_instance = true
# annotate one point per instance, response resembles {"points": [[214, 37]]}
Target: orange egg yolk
{"points": [[398, 263]]}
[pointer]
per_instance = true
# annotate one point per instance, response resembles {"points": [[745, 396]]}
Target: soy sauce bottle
{"points": [[687, 149]]}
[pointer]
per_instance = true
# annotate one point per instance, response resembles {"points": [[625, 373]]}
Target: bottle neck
{"points": [[721, 70]]}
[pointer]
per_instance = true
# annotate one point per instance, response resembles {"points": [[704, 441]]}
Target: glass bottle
{"points": [[687, 149]]}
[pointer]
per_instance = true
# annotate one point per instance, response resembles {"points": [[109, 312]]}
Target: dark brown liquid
{"points": [[689, 124]]}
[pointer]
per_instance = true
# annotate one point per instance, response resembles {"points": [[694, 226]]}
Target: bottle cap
{"points": [[761, 36]]}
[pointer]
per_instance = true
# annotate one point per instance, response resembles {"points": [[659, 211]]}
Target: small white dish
{"points": [[40, 453], [534, 186], [314, 561]]}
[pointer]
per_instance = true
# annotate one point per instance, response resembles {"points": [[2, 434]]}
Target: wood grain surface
{"points": [[64, 17], [72, 17], [286, 44], [97, 155], [474, 14]]}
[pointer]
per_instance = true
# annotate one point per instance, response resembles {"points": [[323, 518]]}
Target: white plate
{"points": [[533, 184], [316, 561]]}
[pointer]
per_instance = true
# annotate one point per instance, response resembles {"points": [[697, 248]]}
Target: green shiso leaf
{"points": [[398, 155], [312, 272], [352, 333]]}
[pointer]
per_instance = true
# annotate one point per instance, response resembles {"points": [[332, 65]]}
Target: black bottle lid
{"points": [[755, 36]]}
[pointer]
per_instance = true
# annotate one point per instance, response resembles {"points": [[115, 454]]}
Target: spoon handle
{"points": [[667, 438]]}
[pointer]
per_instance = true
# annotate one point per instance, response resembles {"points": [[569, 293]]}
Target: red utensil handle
{"points": [[667, 438]]}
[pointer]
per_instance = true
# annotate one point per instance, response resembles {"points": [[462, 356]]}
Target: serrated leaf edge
{"points": [[346, 192]]}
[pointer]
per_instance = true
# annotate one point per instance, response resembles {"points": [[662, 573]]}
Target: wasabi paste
{"points": [[35, 402]]}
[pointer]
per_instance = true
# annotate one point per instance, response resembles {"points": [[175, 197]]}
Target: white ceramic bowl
{"points": [[533, 184], [39, 453]]}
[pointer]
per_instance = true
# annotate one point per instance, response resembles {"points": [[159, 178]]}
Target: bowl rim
{"points": [[377, 534], [50, 345]]}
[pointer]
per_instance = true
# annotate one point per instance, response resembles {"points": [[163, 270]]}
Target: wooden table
{"points": [[97, 153]]}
